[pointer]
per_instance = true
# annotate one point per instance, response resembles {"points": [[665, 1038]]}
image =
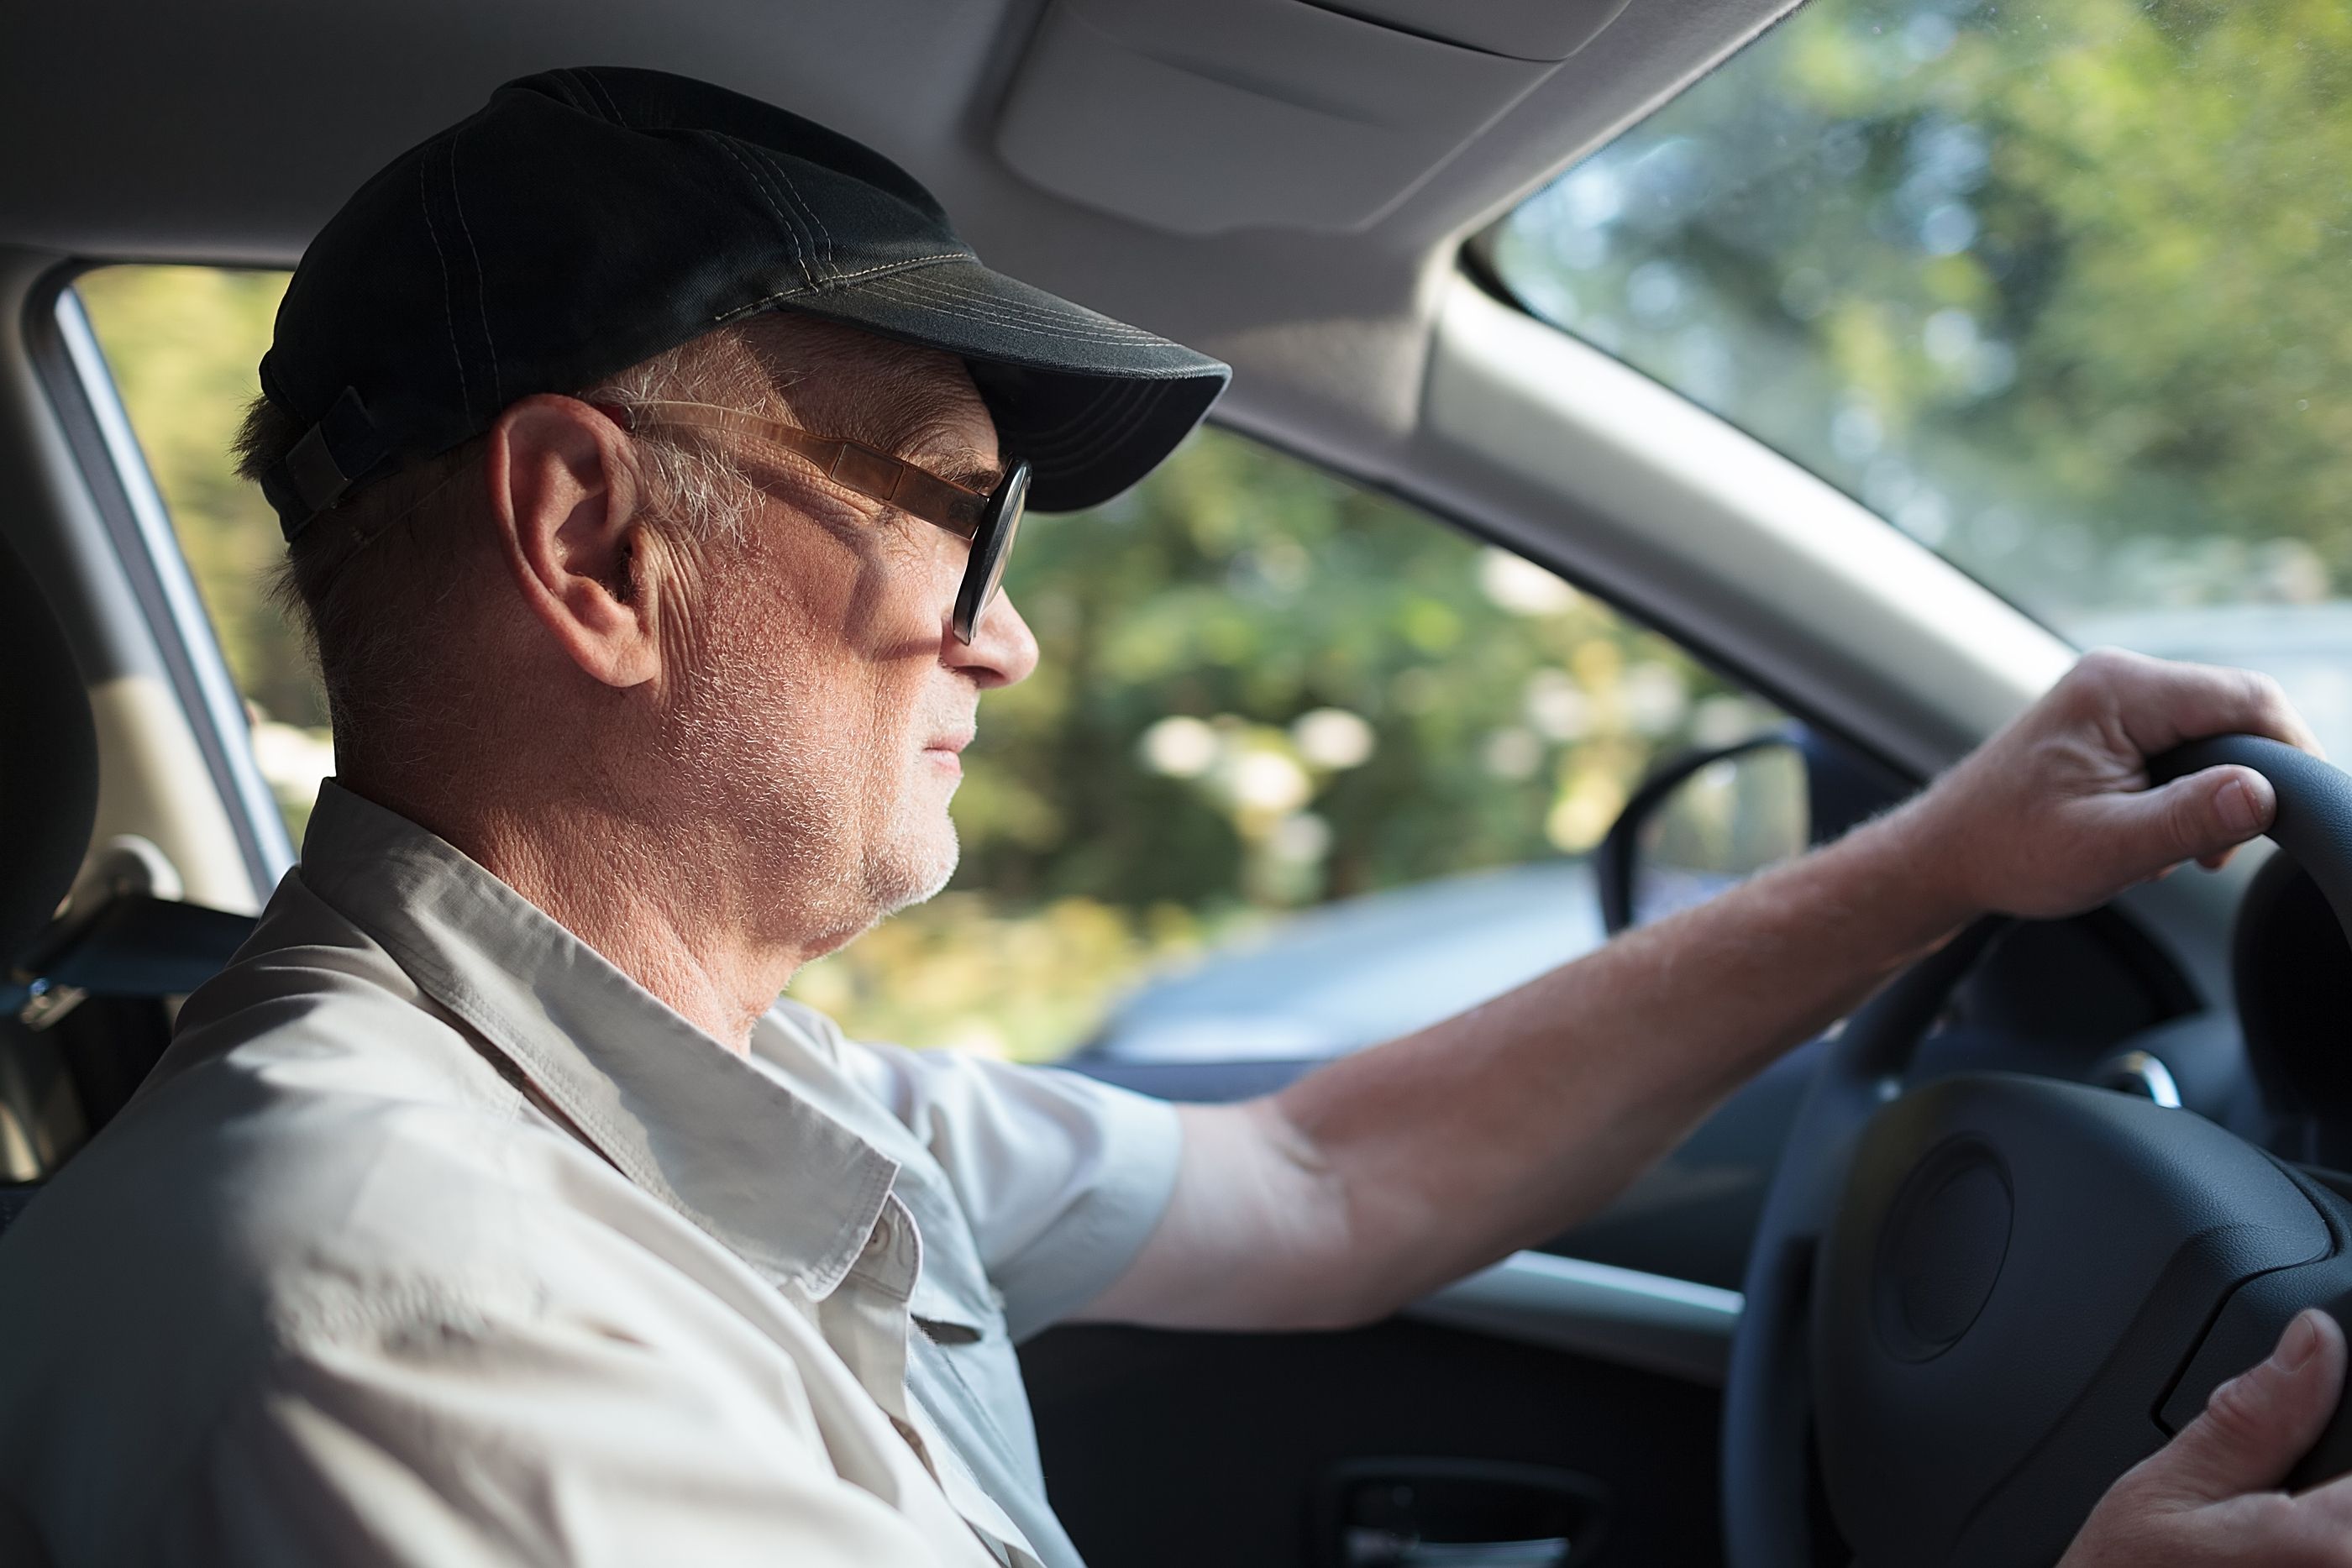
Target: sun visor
{"points": [[1201, 116]]}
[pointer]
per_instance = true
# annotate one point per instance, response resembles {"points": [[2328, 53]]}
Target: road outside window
{"points": [[1264, 691]]}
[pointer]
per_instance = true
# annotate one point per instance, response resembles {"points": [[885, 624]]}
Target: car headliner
{"points": [[228, 133]]}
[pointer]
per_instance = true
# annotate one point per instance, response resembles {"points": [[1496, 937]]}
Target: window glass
{"points": [[1282, 725], [184, 344], [2058, 290], [1285, 735]]}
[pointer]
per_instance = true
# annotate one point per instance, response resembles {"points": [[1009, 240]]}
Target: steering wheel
{"points": [[1981, 1300]]}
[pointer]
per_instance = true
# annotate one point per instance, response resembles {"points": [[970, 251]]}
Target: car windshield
{"points": [[2060, 290]]}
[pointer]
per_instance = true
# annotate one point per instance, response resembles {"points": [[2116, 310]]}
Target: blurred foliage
{"points": [[1262, 688], [2059, 289], [1028, 979], [184, 345]]}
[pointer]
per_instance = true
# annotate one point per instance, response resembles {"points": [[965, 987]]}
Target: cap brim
{"points": [[1093, 404]]}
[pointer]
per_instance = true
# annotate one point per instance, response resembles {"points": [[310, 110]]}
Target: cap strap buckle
{"points": [[332, 455]]}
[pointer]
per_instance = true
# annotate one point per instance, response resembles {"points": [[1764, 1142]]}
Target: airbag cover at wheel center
{"points": [[1944, 1245], [2019, 1268]]}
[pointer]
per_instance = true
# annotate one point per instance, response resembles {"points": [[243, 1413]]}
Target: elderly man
{"points": [[648, 458]]}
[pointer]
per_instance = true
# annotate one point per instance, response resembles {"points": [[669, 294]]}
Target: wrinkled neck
{"points": [[671, 907]]}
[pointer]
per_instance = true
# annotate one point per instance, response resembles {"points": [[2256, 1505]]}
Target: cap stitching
{"points": [[1120, 431], [1111, 425], [768, 174], [1112, 438], [1088, 323], [726, 144], [768, 299], [1078, 456], [775, 162], [772, 175], [901, 266], [1030, 318], [970, 311], [565, 83], [481, 279], [611, 103], [1048, 440], [448, 308], [1066, 452], [1045, 309], [1116, 423], [958, 305]]}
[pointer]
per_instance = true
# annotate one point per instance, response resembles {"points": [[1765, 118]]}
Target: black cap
{"points": [[590, 218]]}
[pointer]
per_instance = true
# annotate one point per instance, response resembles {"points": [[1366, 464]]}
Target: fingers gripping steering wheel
{"points": [[1981, 1300]]}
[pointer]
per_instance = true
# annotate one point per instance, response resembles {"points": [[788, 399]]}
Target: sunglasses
{"points": [[987, 519]]}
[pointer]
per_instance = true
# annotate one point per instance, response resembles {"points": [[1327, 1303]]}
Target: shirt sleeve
{"points": [[458, 1444], [1063, 1177]]}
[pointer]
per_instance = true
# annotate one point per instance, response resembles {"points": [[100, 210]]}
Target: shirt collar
{"points": [[745, 1156]]}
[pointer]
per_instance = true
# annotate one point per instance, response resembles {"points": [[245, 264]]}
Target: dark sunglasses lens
{"points": [[991, 547]]}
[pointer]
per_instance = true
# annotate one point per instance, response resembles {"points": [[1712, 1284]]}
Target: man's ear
{"points": [[564, 494]]}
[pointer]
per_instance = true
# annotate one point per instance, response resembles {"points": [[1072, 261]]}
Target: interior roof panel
{"points": [[228, 133]]}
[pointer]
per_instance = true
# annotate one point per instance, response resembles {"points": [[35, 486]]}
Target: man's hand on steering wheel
{"points": [[2208, 1499], [2053, 815]]}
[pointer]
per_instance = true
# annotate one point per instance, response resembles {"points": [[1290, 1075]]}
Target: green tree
{"points": [[2058, 290]]}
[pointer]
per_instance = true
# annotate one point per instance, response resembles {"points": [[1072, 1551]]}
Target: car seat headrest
{"points": [[48, 760]]}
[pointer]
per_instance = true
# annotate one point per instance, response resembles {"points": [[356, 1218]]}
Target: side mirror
{"points": [[1714, 816]]}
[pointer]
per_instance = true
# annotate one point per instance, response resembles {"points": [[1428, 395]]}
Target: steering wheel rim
{"points": [[1766, 1444]]}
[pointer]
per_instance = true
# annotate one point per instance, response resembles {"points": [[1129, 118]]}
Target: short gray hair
{"points": [[373, 645], [364, 640]]}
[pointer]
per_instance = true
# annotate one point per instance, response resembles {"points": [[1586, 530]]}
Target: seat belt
{"points": [[124, 932]]}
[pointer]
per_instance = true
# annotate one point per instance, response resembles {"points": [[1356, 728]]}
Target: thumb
{"points": [[2203, 815], [2259, 1423]]}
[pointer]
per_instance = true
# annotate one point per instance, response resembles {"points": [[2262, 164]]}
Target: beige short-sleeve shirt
{"points": [[435, 1240]]}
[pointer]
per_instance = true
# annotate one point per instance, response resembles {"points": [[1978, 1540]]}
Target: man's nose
{"points": [[1002, 648]]}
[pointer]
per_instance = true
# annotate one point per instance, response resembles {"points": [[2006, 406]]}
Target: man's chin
{"points": [[923, 874]]}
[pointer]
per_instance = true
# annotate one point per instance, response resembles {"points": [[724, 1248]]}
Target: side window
{"points": [[183, 345], [1301, 768]]}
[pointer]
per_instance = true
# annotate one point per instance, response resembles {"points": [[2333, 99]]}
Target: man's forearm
{"points": [[1454, 1145], [1376, 1178], [1368, 1183]]}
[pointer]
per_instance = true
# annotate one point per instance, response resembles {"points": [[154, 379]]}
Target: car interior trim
{"points": [[1623, 1315], [148, 748], [141, 532], [1247, 113], [2143, 1073]]}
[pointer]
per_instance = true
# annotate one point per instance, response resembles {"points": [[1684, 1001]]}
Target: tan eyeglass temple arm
{"points": [[875, 474]]}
